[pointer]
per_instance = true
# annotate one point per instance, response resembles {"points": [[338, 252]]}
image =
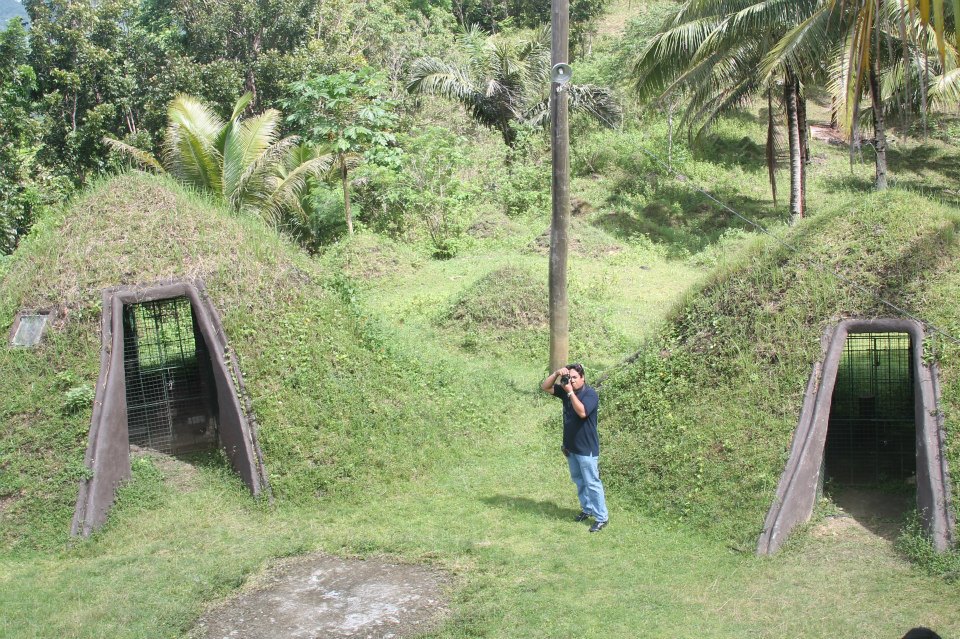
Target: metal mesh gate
{"points": [[871, 437], [168, 408]]}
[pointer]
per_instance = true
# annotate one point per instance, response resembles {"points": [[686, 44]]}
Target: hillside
{"points": [[701, 421], [399, 417], [315, 365]]}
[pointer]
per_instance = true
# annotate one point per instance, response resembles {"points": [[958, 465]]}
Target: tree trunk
{"points": [[796, 161], [879, 133], [346, 193], [771, 147], [559, 138], [670, 136], [804, 145], [250, 80], [250, 84]]}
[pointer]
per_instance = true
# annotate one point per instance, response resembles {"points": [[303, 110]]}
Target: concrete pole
{"points": [[560, 147]]}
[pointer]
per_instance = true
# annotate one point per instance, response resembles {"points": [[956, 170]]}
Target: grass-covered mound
{"points": [[325, 385], [369, 257], [507, 311], [699, 424], [507, 298]]}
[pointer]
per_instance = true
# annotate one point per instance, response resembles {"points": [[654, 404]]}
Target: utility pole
{"points": [[560, 152]]}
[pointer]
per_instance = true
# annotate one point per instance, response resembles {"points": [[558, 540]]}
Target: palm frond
{"points": [[432, 76], [946, 90], [244, 148], [189, 151], [138, 155], [287, 186], [598, 102]]}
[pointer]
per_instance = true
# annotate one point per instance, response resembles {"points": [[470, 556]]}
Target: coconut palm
{"points": [[864, 37], [711, 51], [244, 161], [504, 81]]}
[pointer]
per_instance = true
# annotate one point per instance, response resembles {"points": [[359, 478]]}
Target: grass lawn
{"points": [[499, 520]]}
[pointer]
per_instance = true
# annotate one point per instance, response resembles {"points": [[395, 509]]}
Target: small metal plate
{"points": [[29, 330]]}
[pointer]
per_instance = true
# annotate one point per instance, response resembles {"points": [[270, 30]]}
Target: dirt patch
{"points": [[827, 134], [180, 475], [328, 597], [865, 511]]}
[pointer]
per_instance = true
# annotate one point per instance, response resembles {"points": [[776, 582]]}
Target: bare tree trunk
{"points": [[796, 161], [880, 134], [346, 193], [771, 149], [250, 81], [804, 146], [560, 139], [670, 136]]}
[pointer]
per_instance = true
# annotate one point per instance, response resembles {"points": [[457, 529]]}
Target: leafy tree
{"points": [[504, 81], [495, 16], [20, 193], [243, 161], [349, 114], [79, 53], [242, 32]]}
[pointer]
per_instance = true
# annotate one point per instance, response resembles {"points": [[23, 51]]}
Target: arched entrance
{"points": [[167, 381], [861, 448]]}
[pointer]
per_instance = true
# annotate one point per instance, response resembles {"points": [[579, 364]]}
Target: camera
{"points": [[564, 380]]}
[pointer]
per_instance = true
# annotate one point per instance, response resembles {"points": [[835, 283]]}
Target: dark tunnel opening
{"points": [[170, 389], [871, 436]]}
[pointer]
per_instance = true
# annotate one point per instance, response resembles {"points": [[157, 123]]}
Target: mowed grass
{"points": [[500, 524]]}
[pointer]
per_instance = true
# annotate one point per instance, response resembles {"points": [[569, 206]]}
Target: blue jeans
{"points": [[586, 475]]}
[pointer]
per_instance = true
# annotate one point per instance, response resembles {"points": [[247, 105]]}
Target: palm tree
{"points": [[862, 36], [242, 161], [504, 81], [711, 51]]}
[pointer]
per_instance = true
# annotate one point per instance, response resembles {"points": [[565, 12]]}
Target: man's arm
{"points": [[576, 404], [551, 380], [587, 401]]}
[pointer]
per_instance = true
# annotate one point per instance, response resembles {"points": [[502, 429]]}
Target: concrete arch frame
{"points": [[108, 448], [797, 490]]}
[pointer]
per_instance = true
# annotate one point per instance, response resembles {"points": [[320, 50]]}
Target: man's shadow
{"points": [[545, 509]]}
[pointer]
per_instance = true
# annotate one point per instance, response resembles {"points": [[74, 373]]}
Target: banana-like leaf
{"points": [[139, 155]]}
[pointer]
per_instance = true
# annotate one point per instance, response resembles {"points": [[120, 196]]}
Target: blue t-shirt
{"points": [[580, 435]]}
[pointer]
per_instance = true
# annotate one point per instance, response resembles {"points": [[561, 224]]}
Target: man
{"points": [[581, 443]]}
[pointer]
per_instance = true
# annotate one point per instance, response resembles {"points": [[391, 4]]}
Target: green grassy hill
{"points": [[399, 417], [325, 385], [700, 423]]}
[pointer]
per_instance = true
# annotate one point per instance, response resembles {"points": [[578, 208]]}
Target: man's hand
{"points": [[554, 378]]}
